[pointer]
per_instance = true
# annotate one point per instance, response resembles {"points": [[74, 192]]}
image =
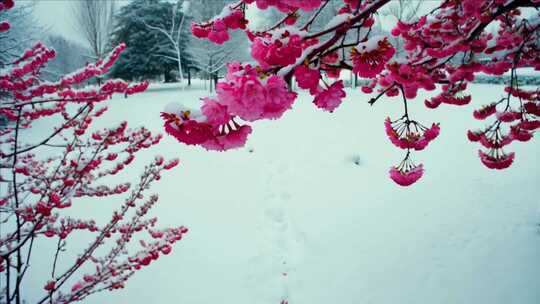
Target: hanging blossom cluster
{"points": [[216, 30], [456, 29], [509, 125], [247, 95], [442, 52], [44, 187], [411, 136]]}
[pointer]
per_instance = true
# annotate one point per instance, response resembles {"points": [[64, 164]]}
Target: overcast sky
{"points": [[57, 15]]}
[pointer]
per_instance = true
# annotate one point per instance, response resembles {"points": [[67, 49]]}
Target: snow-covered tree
{"points": [[94, 21], [149, 52], [175, 34]]}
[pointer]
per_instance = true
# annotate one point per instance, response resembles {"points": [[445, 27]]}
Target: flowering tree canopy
{"points": [[444, 50], [44, 184]]}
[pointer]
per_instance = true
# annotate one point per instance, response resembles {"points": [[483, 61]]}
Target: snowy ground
{"points": [[291, 216]]}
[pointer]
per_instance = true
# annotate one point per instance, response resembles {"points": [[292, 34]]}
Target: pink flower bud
{"points": [[50, 285]]}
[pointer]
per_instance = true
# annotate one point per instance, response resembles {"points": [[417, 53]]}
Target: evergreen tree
{"points": [[148, 52]]}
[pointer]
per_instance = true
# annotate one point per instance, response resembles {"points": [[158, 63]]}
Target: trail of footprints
{"points": [[280, 244]]}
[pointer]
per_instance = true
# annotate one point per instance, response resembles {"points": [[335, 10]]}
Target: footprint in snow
{"points": [[355, 159]]}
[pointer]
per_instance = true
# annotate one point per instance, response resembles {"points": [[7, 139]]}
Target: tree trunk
{"points": [[179, 61], [167, 76], [215, 76], [189, 76]]}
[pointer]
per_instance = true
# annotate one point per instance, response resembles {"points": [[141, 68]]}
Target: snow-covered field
{"points": [[291, 216]]}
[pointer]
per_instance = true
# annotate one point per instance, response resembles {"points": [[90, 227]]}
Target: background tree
{"points": [[149, 53], [94, 20], [176, 34], [72, 57]]}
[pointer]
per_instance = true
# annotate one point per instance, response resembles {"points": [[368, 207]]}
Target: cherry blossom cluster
{"points": [[370, 57], [48, 176], [216, 30], [444, 50], [409, 135], [281, 48], [457, 29], [247, 95], [509, 125]]}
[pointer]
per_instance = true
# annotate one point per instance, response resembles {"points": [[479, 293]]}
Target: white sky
{"points": [[57, 15]]}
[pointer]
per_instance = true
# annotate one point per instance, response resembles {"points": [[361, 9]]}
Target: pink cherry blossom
{"points": [[76, 176], [330, 98], [186, 130], [235, 20], [520, 134], [529, 125], [485, 111], [219, 33], [229, 139], [4, 26], [532, 107], [496, 159], [474, 136], [200, 31], [406, 177], [369, 58], [252, 98], [508, 116], [216, 113], [494, 140], [407, 134], [307, 78], [278, 98], [279, 52], [50, 285]]}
